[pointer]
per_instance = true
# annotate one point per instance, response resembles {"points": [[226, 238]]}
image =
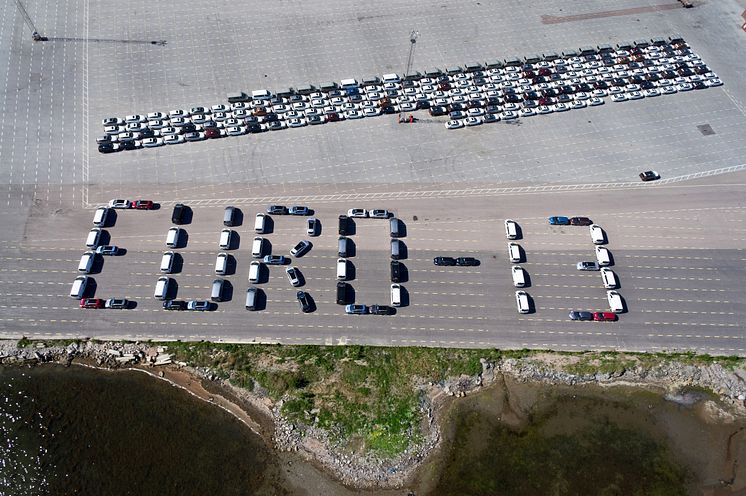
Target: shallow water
{"points": [[532, 439]]}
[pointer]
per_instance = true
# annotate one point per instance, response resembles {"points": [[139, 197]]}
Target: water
{"points": [[81, 431], [78, 431], [533, 439]]}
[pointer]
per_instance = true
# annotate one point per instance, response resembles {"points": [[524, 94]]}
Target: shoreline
{"points": [[361, 471]]}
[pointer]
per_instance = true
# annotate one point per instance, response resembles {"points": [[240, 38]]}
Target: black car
{"points": [[342, 293], [343, 225], [580, 221], [447, 261], [646, 85], [304, 300], [649, 176], [493, 109], [277, 210], [379, 310], [129, 145], [275, 126], [396, 271], [177, 217], [388, 109], [423, 104], [564, 99], [699, 85], [467, 262], [174, 305], [107, 148], [530, 104], [513, 98], [254, 128], [456, 107], [438, 111]]}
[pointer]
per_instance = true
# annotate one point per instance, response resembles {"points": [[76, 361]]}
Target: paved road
{"points": [[679, 256], [678, 250]]}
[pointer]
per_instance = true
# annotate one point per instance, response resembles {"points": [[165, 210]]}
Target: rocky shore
{"points": [[364, 470]]}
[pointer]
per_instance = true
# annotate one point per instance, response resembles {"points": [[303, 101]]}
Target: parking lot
{"points": [[677, 247]]}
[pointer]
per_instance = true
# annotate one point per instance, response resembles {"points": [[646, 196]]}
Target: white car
{"points": [[578, 104], [378, 213], [199, 110], [684, 87], [235, 130], [594, 101], [652, 92], [169, 130], [116, 203], [407, 107], [371, 112], [113, 129], [635, 95], [561, 107], [713, 82], [135, 118], [178, 113], [112, 121], [357, 212], [621, 97], [173, 139], [473, 121], [354, 114], [454, 125], [296, 122], [293, 276], [152, 142], [129, 136], [508, 115], [219, 108], [135, 127], [156, 116], [668, 90], [158, 124], [544, 109], [197, 118]]}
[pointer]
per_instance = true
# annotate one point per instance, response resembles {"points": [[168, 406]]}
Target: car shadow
{"points": [[266, 247], [230, 265], [403, 250], [518, 231], [403, 273], [111, 219], [178, 263], [104, 238], [187, 216], [351, 271], [237, 217], [173, 289], [90, 288], [402, 228], [131, 305], [121, 252], [227, 290], [235, 240], [301, 278], [156, 206], [351, 227], [404, 294], [350, 294], [98, 264], [183, 240], [269, 225], [260, 301]]}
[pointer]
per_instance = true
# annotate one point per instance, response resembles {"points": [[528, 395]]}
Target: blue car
{"points": [[559, 221], [299, 210]]}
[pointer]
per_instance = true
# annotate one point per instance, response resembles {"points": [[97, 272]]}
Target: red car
{"points": [[604, 316], [92, 303], [580, 221], [212, 132], [143, 205]]}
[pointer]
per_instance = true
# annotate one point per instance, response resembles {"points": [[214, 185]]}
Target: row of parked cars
{"points": [[470, 95], [346, 250], [603, 260], [96, 243]]}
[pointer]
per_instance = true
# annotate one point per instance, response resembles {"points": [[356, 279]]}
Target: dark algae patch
{"points": [[532, 439]]}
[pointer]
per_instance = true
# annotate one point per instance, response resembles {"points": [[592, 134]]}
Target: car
{"points": [[587, 266], [275, 259], [277, 210], [116, 303], [293, 276], [379, 310], [299, 210], [580, 221], [276, 125], [152, 142], [649, 176], [301, 248], [454, 124], [467, 262], [134, 118], [356, 309], [604, 316], [235, 130], [212, 132], [103, 139], [143, 205], [92, 303], [108, 250], [559, 221], [304, 300], [313, 226], [173, 139], [379, 213], [578, 315], [116, 203], [198, 305], [446, 261], [112, 121], [109, 147], [131, 145], [357, 213], [194, 136], [174, 305]]}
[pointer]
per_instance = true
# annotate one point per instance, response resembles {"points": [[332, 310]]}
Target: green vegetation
{"points": [[358, 394], [608, 362]]}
